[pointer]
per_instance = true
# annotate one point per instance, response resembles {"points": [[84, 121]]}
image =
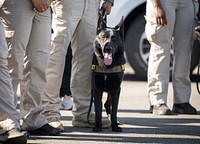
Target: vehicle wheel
{"points": [[137, 49]]}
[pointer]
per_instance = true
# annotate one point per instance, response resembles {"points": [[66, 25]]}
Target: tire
{"points": [[137, 56], [137, 49]]}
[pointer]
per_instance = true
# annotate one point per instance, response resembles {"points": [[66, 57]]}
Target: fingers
{"points": [[41, 5], [160, 16], [41, 9], [107, 6], [108, 11], [197, 28], [161, 20]]}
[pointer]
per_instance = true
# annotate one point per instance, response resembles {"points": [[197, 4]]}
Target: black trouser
{"points": [[65, 87]]}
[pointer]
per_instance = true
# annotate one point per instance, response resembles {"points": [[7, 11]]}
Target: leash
{"points": [[90, 107], [198, 74], [197, 32], [102, 18]]}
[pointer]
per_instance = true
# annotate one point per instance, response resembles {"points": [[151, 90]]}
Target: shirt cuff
{"points": [[112, 1]]}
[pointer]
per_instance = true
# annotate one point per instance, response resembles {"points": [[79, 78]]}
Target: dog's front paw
{"points": [[97, 129], [116, 128]]}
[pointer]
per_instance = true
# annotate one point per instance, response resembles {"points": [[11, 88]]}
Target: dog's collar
{"points": [[115, 69]]}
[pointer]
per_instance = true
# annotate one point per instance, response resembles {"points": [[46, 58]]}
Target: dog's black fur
{"points": [[110, 41]]}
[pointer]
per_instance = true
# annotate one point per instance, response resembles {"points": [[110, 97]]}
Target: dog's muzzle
{"points": [[107, 59], [108, 54]]}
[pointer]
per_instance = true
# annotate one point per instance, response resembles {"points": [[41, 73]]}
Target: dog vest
{"points": [[115, 69]]}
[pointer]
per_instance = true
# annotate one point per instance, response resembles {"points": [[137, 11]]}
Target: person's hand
{"points": [[107, 5], [197, 28], [41, 5], [197, 31], [160, 16]]}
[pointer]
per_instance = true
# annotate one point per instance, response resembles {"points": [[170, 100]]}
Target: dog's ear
{"points": [[120, 26], [101, 25]]}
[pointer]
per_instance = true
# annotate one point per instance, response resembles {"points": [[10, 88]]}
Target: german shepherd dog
{"points": [[107, 70]]}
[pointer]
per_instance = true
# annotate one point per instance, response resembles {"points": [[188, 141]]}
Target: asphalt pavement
{"points": [[139, 125]]}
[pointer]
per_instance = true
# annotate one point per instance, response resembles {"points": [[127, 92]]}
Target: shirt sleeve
{"points": [[112, 1]]}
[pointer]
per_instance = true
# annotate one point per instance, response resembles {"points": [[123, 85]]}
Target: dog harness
{"points": [[115, 69]]}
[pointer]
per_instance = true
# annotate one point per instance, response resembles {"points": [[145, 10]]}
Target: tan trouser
{"points": [[29, 35], [7, 106], [1, 2], [180, 16], [74, 21], [6, 125]]}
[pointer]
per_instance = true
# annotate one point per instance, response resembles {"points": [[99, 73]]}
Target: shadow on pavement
{"points": [[147, 130], [133, 77]]}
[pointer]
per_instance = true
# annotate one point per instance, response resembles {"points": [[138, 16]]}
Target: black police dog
{"points": [[107, 71]]}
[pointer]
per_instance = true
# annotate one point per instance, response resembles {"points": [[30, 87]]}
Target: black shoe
{"points": [[46, 130], [160, 109], [184, 108], [13, 136]]}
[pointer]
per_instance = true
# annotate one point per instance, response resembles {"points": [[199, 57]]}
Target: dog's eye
{"points": [[114, 38], [104, 36]]}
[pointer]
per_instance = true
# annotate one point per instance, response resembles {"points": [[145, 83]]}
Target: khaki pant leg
{"points": [[36, 62], [6, 125], [159, 60], [32, 39], [1, 2], [66, 17], [183, 40], [17, 22], [82, 44], [180, 16], [6, 91]]}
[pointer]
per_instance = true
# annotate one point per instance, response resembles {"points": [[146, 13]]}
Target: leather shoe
{"points": [[46, 130], [160, 109], [184, 108], [14, 136]]}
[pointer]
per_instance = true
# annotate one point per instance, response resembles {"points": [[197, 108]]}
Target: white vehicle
{"points": [[136, 45]]}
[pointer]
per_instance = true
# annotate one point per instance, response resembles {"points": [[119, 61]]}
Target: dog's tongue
{"points": [[107, 59]]}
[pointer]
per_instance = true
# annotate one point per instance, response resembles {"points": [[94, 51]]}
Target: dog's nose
{"points": [[108, 48]]}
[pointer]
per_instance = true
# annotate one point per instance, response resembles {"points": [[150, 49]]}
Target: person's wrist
{"points": [[111, 1]]}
